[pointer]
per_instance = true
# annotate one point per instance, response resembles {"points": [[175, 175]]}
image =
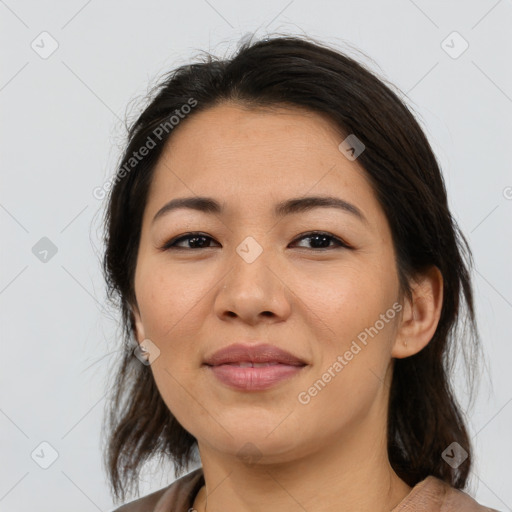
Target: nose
{"points": [[254, 290]]}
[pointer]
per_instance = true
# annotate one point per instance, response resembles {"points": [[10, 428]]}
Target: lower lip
{"points": [[254, 379]]}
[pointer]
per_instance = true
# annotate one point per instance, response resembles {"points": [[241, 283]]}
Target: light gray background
{"points": [[61, 132]]}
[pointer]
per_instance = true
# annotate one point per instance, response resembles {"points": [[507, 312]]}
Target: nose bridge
{"points": [[251, 286], [249, 261]]}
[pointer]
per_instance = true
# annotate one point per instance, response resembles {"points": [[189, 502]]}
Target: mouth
{"points": [[249, 376], [253, 355], [246, 367], [251, 364]]}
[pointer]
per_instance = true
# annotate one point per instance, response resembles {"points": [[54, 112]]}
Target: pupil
{"points": [[194, 239], [323, 238]]}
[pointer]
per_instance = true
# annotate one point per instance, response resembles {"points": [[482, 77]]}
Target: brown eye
{"points": [[194, 240], [322, 240], [317, 239]]}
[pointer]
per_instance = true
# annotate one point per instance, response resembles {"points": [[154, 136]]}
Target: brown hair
{"points": [[424, 417]]}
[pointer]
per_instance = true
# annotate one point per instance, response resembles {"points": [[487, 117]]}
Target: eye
{"points": [[195, 241], [322, 240], [319, 239]]}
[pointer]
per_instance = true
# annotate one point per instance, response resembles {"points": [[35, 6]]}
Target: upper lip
{"points": [[265, 353]]}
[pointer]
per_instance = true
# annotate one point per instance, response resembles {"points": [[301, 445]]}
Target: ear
{"points": [[137, 326], [420, 318]]}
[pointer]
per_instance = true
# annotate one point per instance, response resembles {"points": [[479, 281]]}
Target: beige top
{"points": [[429, 495]]}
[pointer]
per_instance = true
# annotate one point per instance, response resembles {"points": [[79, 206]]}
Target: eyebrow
{"points": [[289, 207]]}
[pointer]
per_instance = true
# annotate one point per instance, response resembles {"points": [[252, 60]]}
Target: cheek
{"points": [[344, 400], [173, 305], [350, 376], [169, 298], [342, 302], [354, 327]]}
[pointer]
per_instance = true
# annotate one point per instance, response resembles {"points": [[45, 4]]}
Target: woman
{"points": [[292, 282]]}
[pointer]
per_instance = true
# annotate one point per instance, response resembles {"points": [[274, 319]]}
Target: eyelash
{"points": [[170, 245]]}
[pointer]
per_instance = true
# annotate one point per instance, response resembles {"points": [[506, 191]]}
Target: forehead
{"points": [[259, 155], [230, 128]]}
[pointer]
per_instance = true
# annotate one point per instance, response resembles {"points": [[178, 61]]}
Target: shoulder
{"points": [[455, 499], [435, 495], [144, 504], [178, 495]]}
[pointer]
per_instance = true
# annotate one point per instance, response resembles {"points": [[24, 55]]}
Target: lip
{"points": [[264, 353], [232, 366]]}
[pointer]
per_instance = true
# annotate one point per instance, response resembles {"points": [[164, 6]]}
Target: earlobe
{"points": [[421, 316]]}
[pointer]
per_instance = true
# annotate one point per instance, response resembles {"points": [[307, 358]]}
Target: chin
{"points": [[253, 443]]}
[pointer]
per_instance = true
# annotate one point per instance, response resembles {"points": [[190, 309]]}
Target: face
{"points": [[247, 275]]}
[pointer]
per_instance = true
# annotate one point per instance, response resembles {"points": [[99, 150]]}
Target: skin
{"points": [[313, 302]]}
